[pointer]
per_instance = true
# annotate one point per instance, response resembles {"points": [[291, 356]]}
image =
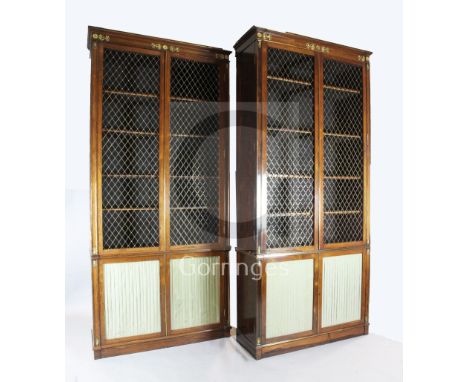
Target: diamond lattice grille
{"points": [[343, 152], [194, 152], [290, 149], [130, 150]]}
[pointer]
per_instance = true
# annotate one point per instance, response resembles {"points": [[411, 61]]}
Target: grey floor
{"points": [[367, 358]]}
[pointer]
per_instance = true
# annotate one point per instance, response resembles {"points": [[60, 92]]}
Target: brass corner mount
{"points": [[263, 36], [100, 37]]}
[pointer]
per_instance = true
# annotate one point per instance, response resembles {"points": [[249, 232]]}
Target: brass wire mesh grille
{"points": [[194, 152], [343, 152], [290, 149], [130, 150]]}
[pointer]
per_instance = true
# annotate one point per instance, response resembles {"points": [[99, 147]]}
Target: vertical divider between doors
{"points": [[319, 188], [317, 114], [317, 184], [162, 157], [319, 131], [166, 184]]}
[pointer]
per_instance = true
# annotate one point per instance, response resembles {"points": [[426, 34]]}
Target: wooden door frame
{"points": [[364, 288], [223, 295], [223, 153], [262, 138], [96, 150], [365, 157], [101, 262], [263, 302]]}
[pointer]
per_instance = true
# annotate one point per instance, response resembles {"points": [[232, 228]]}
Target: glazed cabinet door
{"points": [[129, 96], [196, 152], [342, 155], [288, 184]]}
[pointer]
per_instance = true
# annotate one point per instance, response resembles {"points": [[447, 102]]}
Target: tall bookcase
{"points": [[159, 192], [302, 191]]}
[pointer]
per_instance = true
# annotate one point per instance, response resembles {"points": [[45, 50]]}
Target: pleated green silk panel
{"points": [[341, 289], [289, 297], [132, 299], [195, 291]]}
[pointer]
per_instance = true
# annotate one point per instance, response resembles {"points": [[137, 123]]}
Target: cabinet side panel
{"points": [[247, 291], [246, 166], [132, 299]]}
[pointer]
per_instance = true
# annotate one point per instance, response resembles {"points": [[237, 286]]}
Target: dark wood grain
{"points": [[98, 40], [251, 54]]}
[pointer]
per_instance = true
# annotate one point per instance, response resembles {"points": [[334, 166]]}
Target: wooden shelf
{"points": [[291, 214], [342, 135], [119, 131], [290, 130], [130, 209], [192, 208], [131, 175], [120, 92], [193, 177], [346, 90], [290, 80], [342, 212], [289, 176], [186, 99], [190, 136], [342, 177]]}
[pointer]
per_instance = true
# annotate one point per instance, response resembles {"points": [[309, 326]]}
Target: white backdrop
{"points": [[366, 24]]}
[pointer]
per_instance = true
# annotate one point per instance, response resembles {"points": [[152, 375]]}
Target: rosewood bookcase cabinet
{"points": [[159, 192], [302, 191]]}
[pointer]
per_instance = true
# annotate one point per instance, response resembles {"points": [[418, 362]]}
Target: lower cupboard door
{"points": [[341, 289], [132, 299], [289, 297], [195, 295]]}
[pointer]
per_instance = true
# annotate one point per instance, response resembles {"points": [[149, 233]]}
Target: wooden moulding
{"points": [[261, 35], [98, 40], [159, 343], [262, 351], [96, 34], [252, 78], [166, 337]]}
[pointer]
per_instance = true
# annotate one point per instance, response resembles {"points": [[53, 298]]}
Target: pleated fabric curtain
{"points": [[132, 299], [289, 297], [341, 289]]}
